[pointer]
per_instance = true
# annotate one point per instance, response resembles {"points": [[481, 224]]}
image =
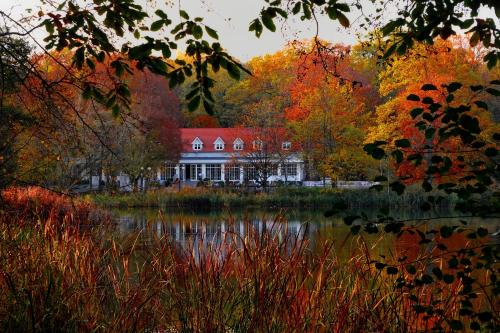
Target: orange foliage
{"points": [[40, 203], [440, 64], [204, 121]]}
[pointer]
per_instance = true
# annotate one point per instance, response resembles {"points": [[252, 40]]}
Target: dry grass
{"points": [[64, 279]]}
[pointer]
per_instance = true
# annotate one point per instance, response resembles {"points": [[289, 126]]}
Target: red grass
{"points": [[36, 202], [55, 278]]}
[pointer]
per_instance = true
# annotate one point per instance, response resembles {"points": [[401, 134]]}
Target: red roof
{"points": [[208, 136]]}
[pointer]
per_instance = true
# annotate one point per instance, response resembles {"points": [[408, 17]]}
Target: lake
{"points": [[189, 227]]}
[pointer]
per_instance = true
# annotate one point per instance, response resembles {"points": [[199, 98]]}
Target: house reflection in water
{"points": [[202, 232]]}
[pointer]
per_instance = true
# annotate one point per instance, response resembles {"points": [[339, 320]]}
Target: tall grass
{"points": [[283, 197], [57, 278]]}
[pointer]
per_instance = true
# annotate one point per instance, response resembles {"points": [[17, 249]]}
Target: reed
{"points": [[65, 279], [284, 197]]}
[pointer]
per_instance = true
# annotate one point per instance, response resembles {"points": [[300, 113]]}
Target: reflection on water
{"points": [[203, 228]]}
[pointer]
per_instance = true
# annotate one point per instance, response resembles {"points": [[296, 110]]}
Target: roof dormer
{"points": [[238, 144], [197, 144], [219, 144]]}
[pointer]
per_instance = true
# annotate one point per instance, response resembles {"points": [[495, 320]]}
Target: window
{"points": [[273, 170], [250, 172], [286, 145], [232, 172], [289, 169], [169, 172], [197, 144], [195, 171], [219, 144], [257, 145], [213, 171], [238, 144]]}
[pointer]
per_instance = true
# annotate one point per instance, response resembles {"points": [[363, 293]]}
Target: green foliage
{"points": [[88, 34], [426, 20], [476, 175]]}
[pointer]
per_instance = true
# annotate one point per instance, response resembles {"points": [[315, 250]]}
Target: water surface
{"points": [[190, 227]]}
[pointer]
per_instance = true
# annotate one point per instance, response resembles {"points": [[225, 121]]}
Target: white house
{"points": [[233, 155]]}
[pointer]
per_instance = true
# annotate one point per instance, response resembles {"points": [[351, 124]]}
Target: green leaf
{"points": [[49, 26], [491, 152], [493, 92], [398, 187], [428, 86], [161, 14], [211, 32], [485, 316], [268, 22], [437, 273], [380, 179], [115, 110], [343, 20], [378, 153], [343, 7], [403, 143], [411, 269], [233, 71], [448, 278], [456, 325], [446, 231], [348, 220], [427, 279], [296, 8], [391, 270], [165, 51], [194, 103], [398, 155], [183, 14], [355, 229], [87, 92], [429, 133], [454, 86], [79, 57], [474, 39], [482, 232], [416, 112], [155, 26], [481, 104], [390, 51], [256, 26], [197, 32], [208, 107], [475, 326], [427, 100]]}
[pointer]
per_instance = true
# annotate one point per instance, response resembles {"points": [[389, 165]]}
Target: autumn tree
{"points": [[438, 65], [330, 106], [13, 120], [269, 83], [264, 152]]}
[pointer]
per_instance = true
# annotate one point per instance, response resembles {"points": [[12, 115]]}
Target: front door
{"points": [[188, 172]]}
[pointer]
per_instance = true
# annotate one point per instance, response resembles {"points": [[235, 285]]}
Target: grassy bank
{"points": [[284, 197]]}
